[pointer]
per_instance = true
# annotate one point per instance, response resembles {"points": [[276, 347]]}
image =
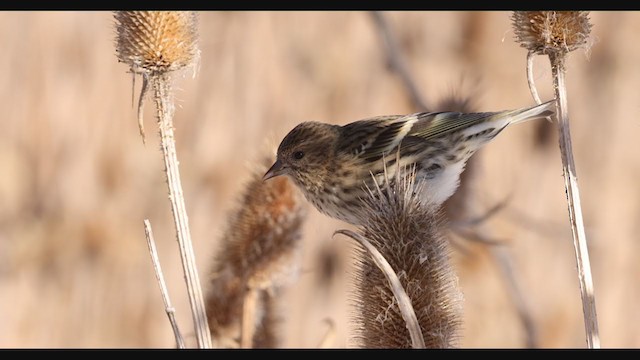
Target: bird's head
{"points": [[305, 154]]}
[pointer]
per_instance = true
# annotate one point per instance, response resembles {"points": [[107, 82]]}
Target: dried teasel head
{"points": [[156, 41], [260, 250], [409, 234], [548, 32]]}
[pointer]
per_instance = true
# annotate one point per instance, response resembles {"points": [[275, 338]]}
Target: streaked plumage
{"points": [[333, 164]]}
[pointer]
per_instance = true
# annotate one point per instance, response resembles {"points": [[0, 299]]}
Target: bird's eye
{"points": [[298, 155]]}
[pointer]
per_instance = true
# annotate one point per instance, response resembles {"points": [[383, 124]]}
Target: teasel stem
{"points": [[143, 93], [397, 61], [249, 308], [155, 44], [169, 309], [573, 202], [530, 81], [329, 336], [555, 34], [164, 110]]}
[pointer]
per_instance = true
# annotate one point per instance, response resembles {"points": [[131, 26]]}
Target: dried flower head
{"points": [[545, 32], [259, 251], [408, 234], [156, 41]]}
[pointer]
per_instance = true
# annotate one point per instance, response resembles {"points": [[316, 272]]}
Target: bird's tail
{"points": [[539, 111]]}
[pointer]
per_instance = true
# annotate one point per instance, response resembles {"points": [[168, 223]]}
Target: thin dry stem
{"points": [[249, 307], [403, 300], [396, 61], [474, 235], [143, 94], [503, 259], [477, 220], [530, 80], [154, 44], [556, 33], [266, 333], [170, 310], [164, 107], [573, 202], [330, 336]]}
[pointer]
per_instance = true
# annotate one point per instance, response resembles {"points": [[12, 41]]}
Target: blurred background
{"points": [[76, 180]]}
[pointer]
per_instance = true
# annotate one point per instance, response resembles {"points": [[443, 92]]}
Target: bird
{"points": [[334, 165]]}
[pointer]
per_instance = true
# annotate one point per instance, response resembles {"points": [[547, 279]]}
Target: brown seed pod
{"points": [[545, 32], [156, 41], [409, 235], [258, 253]]}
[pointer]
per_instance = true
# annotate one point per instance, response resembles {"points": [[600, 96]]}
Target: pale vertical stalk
{"points": [[555, 34], [249, 307], [403, 300], [532, 85], [530, 81], [155, 44], [505, 265], [169, 309], [329, 337], [573, 202], [164, 106]]}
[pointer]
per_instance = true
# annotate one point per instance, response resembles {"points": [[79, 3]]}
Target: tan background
{"points": [[76, 181]]}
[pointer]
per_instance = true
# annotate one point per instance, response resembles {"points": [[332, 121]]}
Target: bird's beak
{"points": [[276, 169]]}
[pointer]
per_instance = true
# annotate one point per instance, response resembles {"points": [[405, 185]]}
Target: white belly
{"points": [[439, 188]]}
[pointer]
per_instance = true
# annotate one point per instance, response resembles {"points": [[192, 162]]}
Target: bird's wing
{"points": [[433, 125], [372, 135], [370, 139]]}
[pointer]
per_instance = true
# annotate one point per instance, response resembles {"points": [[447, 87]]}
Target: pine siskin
{"points": [[334, 165]]}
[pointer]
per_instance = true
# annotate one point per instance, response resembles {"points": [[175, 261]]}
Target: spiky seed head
{"points": [[408, 232], [156, 41], [546, 32], [259, 250]]}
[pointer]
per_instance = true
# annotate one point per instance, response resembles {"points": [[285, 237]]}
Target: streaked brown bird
{"points": [[334, 165]]}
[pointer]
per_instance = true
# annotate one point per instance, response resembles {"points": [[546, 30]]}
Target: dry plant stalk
{"points": [[170, 310], [258, 256], [408, 234], [396, 60], [543, 129], [265, 334], [555, 34], [155, 44], [330, 335], [249, 308]]}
